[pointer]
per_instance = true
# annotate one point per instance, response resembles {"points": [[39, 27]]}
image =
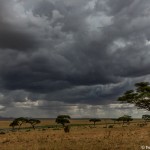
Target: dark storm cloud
{"points": [[112, 7], [15, 39], [72, 51], [44, 8], [13, 35]]}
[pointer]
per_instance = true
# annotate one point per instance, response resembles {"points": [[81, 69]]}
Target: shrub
{"points": [[2, 132], [110, 126]]}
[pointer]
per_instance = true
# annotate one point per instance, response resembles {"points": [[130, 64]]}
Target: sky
{"points": [[72, 57]]}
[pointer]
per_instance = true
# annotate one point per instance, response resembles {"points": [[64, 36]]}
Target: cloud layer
{"points": [[81, 53]]}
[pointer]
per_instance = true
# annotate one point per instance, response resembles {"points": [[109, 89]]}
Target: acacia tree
{"points": [[21, 120], [94, 120], [13, 124], [140, 96], [18, 122], [33, 122], [146, 118], [125, 119], [115, 119], [63, 119]]}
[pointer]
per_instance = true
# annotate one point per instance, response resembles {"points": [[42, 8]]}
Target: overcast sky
{"points": [[72, 57]]}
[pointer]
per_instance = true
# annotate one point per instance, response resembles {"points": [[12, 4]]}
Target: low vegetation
{"points": [[81, 137]]}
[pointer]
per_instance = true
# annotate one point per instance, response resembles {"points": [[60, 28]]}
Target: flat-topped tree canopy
{"points": [[18, 122], [63, 119], [94, 120], [125, 118], [64, 116], [146, 117], [33, 122], [21, 120], [140, 96]]}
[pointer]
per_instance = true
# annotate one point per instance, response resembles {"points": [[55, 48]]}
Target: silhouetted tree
{"points": [[94, 120], [18, 122], [125, 119], [146, 118], [21, 120], [13, 124], [140, 96], [115, 119], [63, 119], [33, 122]]}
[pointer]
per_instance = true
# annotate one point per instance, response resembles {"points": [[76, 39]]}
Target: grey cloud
{"points": [[113, 7], [18, 40], [13, 35], [98, 65], [44, 8], [77, 52]]}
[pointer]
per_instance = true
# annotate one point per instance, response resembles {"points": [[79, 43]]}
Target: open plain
{"points": [[82, 136]]}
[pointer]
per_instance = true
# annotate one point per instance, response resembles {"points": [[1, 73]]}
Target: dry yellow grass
{"points": [[79, 138], [4, 124]]}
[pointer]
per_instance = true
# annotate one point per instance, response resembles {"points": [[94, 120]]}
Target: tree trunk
{"points": [[33, 127]]}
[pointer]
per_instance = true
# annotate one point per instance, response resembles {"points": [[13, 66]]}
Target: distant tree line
{"points": [[125, 119]]}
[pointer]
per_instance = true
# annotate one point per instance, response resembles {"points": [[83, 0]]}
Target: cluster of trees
{"points": [[64, 120], [21, 120], [124, 119]]}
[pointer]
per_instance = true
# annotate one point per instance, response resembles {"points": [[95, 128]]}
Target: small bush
{"points": [[56, 129], [28, 130], [43, 129], [110, 126], [5, 141], [2, 132]]}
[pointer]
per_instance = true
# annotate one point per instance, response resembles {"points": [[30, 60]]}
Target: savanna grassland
{"points": [[82, 136]]}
